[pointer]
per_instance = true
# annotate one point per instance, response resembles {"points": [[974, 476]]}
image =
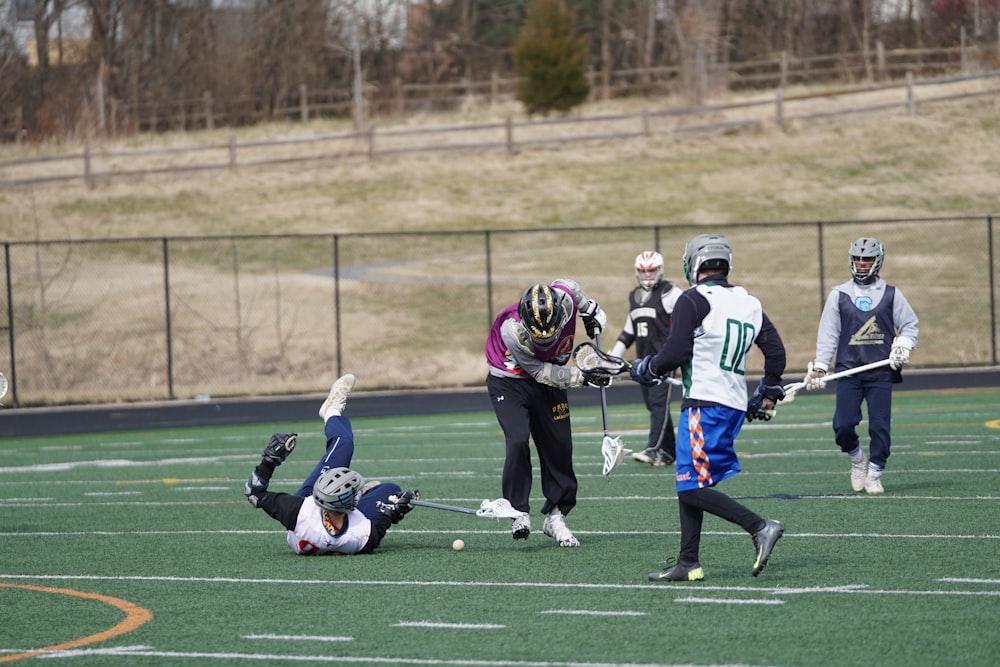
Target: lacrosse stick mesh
{"points": [[498, 509]]}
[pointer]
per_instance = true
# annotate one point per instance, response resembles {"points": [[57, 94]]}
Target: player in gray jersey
{"points": [[864, 320], [714, 325], [650, 306], [334, 512]]}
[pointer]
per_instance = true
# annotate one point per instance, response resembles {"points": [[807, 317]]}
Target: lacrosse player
{"points": [[647, 325], [334, 512], [864, 320], [714, 325], [526, 350]]}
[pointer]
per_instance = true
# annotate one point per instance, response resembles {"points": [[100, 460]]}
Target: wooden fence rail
{"points": [[94, 165]]}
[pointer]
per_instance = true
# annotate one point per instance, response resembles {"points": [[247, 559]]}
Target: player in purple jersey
{"points": [[864, 320], [334, 512], [527, 349], [650, 306]]}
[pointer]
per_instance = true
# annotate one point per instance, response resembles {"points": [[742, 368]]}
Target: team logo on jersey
{"points": [[868, 334], [560, 411], [564, 351], [863, 303]]}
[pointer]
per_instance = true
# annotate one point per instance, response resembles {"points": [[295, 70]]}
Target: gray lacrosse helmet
{"points": [[338, 489], [711, 248], [870, 249]]}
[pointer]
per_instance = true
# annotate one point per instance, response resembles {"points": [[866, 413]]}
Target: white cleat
{"points": [[335, 402], [555, 527], [520, 528], [873, 485], [859, 471]]}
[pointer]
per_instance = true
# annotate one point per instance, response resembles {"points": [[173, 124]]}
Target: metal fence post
{"points": [[232, 151], [168, 321], [993, 290], [509, 127], [371, 142], [10, 326]]}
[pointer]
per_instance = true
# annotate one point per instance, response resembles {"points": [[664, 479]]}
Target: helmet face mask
{"points": [[866, 256], [648, 269], [704, 248], [540, 313], [337, 490]]}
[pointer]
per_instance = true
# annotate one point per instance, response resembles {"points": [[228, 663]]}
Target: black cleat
{"points": [[764, 542], [679, 572]]}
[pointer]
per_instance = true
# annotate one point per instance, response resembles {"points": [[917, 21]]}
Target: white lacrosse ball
{"points": [[458, 545]]}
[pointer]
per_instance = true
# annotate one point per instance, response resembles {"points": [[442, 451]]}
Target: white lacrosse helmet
{"points": [[646, 263], [338, 489], [709, 250], [872, 252]]}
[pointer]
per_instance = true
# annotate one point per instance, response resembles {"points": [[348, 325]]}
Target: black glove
{"points": [[279, 447], [594, 319], [641, 372], [761, 404], [398, 506], [596, 378]]}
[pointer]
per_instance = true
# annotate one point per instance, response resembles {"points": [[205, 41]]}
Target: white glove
{"points": [[815, 372], [899, 355], [594, 319]]}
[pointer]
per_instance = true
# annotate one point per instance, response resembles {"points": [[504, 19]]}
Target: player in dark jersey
{"points": [[334, 512], [650, 306], [864, 320], [526, 350]]}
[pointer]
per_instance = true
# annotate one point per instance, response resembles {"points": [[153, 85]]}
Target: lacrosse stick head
{"points": [[613, 451], [498, 509], [590, 358]]}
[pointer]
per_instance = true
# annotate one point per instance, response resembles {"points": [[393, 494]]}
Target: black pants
{"points": [[527, 409], [661, 425]]}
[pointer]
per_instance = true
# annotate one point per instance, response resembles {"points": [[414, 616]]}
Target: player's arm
{"points": [[594, 318], [689, 312], [515, 338], [905, 319], [625, 338], [283, 507], [773, 348]]}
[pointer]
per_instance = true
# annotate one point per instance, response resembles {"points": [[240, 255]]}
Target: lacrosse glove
{"points": [[596, 378], [641, 372], [815, 372], [761, 404], [398, 506], [594, 319], [899, 354], [279, 447]]}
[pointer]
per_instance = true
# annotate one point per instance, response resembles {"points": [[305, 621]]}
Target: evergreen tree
{"points": [[550, 59]]}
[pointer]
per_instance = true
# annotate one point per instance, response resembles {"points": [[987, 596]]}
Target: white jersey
{"points": [[718, 358], [312, 537]]}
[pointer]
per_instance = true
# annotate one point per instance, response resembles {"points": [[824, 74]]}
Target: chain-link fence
{"points": [[165, 318]]}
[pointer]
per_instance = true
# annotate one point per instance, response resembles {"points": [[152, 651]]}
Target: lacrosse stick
{"points": [[490, 509], [612, 449], [794, 388], [591, 359]]}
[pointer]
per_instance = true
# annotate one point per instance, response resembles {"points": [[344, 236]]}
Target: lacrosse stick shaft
{"points": [[604, 395], [439, 506], [792, 389]]}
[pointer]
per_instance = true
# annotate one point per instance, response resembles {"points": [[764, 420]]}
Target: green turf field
{"points": [[139, 549]]}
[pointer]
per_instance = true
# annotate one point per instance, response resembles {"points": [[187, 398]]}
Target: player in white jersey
{"points": [[334, 512], [714, 325]]}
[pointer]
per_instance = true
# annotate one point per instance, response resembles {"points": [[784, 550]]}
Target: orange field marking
{"points": [[135, 616]]}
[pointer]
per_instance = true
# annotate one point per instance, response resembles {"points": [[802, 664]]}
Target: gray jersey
{"points": [[865, 298]]}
